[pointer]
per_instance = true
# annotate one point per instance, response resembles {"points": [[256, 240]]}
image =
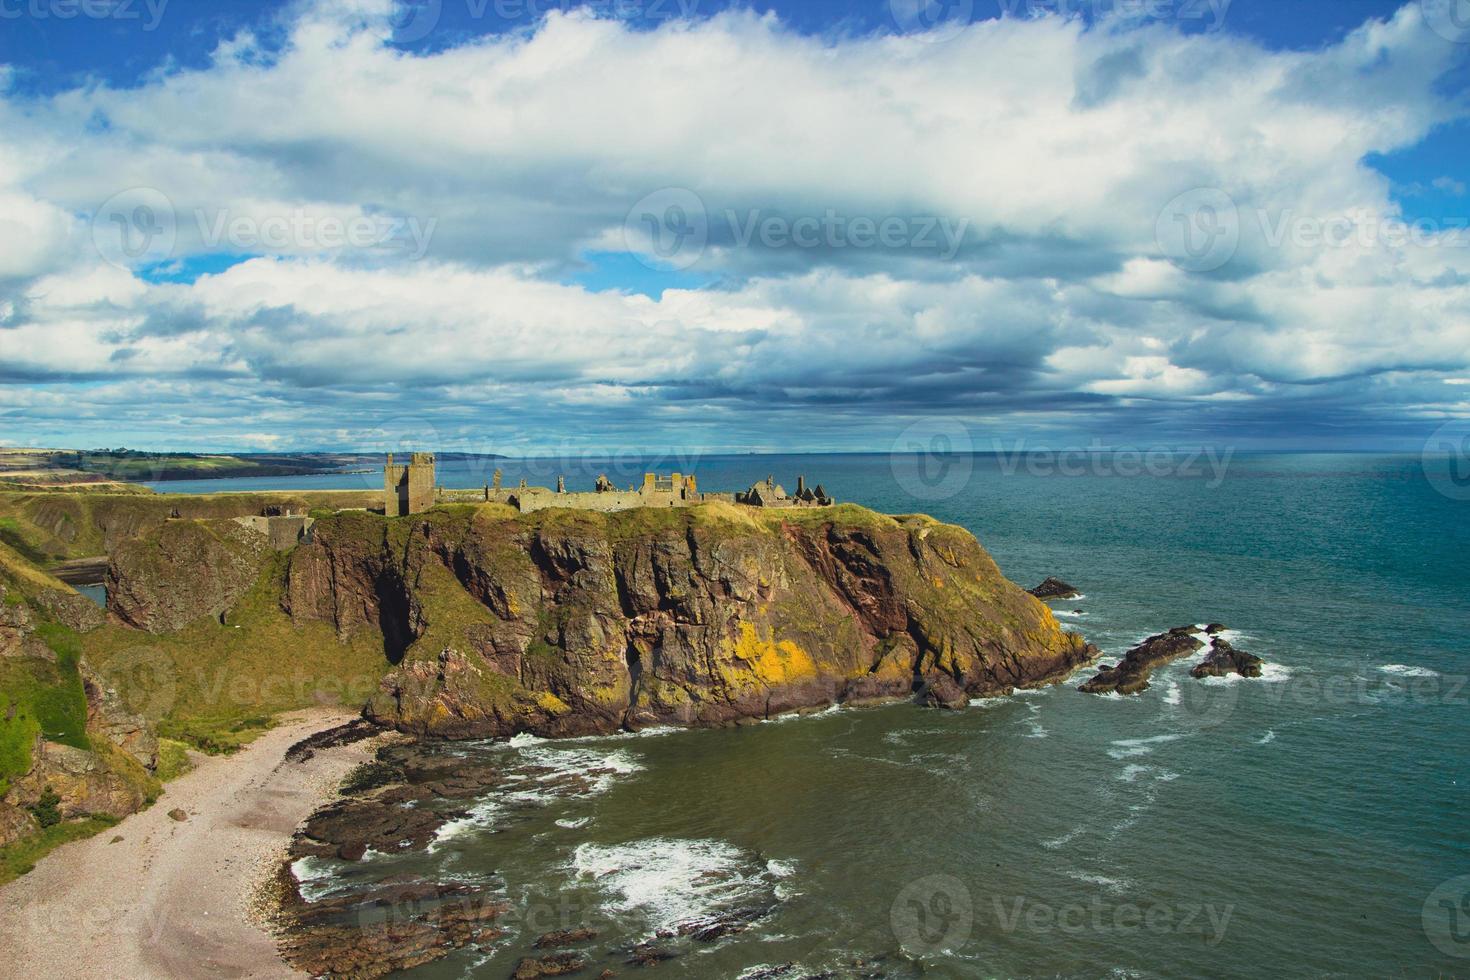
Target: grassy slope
{"points": [[216, 686], [37, 696], [47, 527]]}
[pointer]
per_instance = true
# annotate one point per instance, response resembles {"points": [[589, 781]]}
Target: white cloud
{"points": [[1057, 147]]}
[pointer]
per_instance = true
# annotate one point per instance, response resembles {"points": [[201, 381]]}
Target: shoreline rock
{"points": [[1130, 675], [1054, 588], [1223, 659], [567, 623]]}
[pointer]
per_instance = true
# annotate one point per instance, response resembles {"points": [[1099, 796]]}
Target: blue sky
{"points": [[518, 226]]}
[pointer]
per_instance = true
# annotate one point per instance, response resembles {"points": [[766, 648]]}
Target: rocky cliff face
{"points": [[104, 770], [183, 570], [565, 622]]}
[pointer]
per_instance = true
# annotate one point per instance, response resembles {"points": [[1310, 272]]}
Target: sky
{"points": [[527, 226]]}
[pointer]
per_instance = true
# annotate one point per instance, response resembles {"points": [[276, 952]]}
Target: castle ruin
{"points": [[409, 489]]}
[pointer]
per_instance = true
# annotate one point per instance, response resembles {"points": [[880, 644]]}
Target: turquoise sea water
{"points": [[1310, 823]]}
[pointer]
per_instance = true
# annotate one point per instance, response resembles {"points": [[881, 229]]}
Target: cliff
{"points": [[564, 622], [68, 745]]}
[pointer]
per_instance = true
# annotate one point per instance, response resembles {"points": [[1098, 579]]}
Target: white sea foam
{"points": [[1069, 613], [547, 772], [1405, 670], [673, 882], [1067, 838], [1114, 885], [1127, 748], [781, 869], [1270, 674], [1172, 694], [1267, 738], [1132, 772], [574, 824], [316, 878]]}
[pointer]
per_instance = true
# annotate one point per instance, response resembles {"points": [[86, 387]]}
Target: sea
{"points": [[1313, 822]]}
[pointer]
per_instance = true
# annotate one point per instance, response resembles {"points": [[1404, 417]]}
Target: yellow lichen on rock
{"points": [[773, 662]]}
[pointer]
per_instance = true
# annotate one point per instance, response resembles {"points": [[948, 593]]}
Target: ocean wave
{"points": [[1405, 670], [1127, 748], [317, 878], [1133, 771], [545, 772], [1056, 843], [1115, 885], [675, 883], [1267, 738], [1270, 674]]}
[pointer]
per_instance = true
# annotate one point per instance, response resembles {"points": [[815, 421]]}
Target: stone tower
{"points": [[408, 489]]}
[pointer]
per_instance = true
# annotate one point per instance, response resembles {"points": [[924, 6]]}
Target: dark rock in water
{"points": [[565, 937], [943, 692], [707, 930], [647, 954], [1130, 675], [1224, 659], [1214, 629], [1054, 588], [555, 965], [397, 925], [353, 731]]}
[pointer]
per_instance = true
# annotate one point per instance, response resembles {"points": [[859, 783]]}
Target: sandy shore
{"points": [[172, 899]]}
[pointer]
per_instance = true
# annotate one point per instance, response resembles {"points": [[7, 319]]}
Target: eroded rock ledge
{"points": [[1131, 674], [569, 623]]}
